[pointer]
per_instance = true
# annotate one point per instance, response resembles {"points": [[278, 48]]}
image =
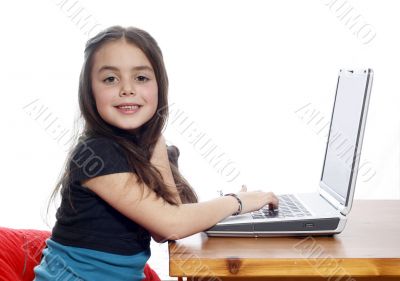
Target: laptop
{"points": [[325, 211]]}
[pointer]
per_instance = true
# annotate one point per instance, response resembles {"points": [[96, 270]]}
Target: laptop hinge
{"points": [[331, 200]]}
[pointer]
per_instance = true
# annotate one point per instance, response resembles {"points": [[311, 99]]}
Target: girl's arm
{"points": [[160, 160], [123, 193]]}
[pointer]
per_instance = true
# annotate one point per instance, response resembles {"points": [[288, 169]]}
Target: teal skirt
{"points": [[67, 263]]}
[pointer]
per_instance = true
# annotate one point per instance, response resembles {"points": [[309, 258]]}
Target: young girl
{"points": [[119, 188]]}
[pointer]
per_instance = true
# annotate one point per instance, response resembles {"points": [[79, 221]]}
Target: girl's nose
{"points": [[127, 89]]}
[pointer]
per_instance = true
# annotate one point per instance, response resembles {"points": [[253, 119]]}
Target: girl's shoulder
{"points": [[94, 138], [98, 144], [99, 153]]}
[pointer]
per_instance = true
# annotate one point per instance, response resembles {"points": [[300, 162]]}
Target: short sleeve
{"points": [[96, 157]]}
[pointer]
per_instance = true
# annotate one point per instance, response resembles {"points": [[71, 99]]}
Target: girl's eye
{"points": [[142, 78], [110, 79]]}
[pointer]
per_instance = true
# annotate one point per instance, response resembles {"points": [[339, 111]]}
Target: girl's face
{"points": [[122, 75]]}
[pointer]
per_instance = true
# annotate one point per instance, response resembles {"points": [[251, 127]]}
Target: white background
{"points": [[239, 70]]}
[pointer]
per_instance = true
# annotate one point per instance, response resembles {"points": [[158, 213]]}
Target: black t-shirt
{"points": [[91, 222]]}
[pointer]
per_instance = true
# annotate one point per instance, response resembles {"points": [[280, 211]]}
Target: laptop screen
{"points": [[345, 134]]}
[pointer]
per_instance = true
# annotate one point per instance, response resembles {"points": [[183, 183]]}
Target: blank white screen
{"points": [[345, 125]]}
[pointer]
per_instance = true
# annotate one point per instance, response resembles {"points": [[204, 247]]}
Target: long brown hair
{"points": [[138, 148]]}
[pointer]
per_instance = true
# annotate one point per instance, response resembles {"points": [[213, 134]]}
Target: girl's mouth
{"points": [[128, 109]]}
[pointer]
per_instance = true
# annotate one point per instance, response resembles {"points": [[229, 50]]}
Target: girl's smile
{"points": [[128, 108]]}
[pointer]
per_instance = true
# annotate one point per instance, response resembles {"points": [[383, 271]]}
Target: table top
{"points": [[369, 245]]}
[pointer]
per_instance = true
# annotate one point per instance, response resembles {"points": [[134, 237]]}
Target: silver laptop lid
{"points": [[343, 149]]}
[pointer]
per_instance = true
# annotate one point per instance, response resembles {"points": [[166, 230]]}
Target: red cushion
{"points": [[21, 251], [150, 274]]}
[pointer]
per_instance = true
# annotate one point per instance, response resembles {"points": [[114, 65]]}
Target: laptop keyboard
{"points": [[289, 207]]}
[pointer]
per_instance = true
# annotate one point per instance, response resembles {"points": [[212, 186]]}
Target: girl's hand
{"points": [[255, 200]]}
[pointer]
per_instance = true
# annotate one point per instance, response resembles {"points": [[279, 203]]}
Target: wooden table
{"points": [[367, 249]]}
